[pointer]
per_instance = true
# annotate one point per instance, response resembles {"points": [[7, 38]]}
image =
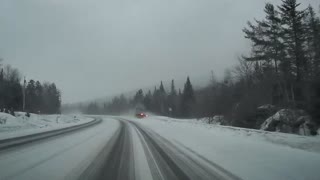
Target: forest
{"points": [[282, 70], [39, 98]]}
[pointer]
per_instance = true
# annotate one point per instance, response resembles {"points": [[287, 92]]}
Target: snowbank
{"points": [[7, 119], [249, 154], [21, 125], [308, 143]]}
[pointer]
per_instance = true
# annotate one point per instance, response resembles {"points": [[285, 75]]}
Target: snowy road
{"points": [[138, 153], [60, 157], [114, 149], [160, 148]]}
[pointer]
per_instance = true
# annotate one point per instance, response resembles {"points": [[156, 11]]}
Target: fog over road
{"points": [[116, 149]]}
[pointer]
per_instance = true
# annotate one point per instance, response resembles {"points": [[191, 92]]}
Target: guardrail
{"points": [[17, 141]]}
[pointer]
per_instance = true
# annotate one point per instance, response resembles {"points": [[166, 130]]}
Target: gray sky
{"points": [[95, 48]]}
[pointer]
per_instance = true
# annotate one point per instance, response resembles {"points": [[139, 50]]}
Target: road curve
{"points": [[165, 160], [57, 157], [115, 161], [115, 149]]}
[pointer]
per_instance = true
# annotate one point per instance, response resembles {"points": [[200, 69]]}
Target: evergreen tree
{"points": [[173, 89], [13, 96], [38, 96], [173, 100], [161, 88], [272, 32], [148, 101], [155, 101], [187, 100], [55, 99], [313, 41], [267, 37], [31, 96], [294, 35], [51, 99], [1, 75], [138, 98], [2, 90], [313, 50], [162, 100]]}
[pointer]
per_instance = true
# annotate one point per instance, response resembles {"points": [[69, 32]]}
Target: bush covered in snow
{"points": [[290, 121], [262, 113]]}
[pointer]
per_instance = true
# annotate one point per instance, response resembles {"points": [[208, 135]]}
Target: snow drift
{"points": [[19, 125]]}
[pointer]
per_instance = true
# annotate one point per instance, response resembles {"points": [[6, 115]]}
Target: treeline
{"points": [[283, 69], [43, 98], [10, 88], [118, 105], [172, 103]]}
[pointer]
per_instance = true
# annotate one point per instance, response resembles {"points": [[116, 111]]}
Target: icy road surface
{"points": [[122, 148]]}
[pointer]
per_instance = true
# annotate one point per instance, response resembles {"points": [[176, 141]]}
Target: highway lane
{"points": [[139, 153], [37, 137], [116, 149], [61, 157]]}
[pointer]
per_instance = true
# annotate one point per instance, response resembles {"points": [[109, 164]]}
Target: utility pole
{"points": [[24, 95]]}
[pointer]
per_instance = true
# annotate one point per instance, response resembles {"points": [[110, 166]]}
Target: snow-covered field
{"points": [[249, 154], [20, 125]]}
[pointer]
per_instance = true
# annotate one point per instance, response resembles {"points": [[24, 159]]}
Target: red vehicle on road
{"points": [[141, 115], [140, 111]]}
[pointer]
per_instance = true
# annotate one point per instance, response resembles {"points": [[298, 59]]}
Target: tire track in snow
{"points": [[165, 160], [182, 165], [153, 165], [116, 160], [168, 167]]}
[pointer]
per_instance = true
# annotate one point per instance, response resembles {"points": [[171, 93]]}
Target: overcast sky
{"points": [[96, 48]]}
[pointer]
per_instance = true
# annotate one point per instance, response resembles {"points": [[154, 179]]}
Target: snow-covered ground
{"points": [[20, 125], [249, 154], [308, 143]]}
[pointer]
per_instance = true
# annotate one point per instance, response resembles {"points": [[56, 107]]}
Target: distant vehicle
{"points": [[141, 115], [140, 109]]}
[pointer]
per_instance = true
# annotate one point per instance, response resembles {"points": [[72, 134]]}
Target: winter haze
{"points": [[104, 47]]}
